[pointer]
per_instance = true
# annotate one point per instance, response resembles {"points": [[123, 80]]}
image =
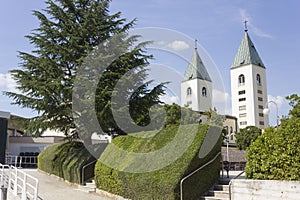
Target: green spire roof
{"points": [[196, 69], [247, 54]]}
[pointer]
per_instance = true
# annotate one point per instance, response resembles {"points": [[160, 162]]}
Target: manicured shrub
{"points": [[162, 183], [65, 160], [275, 155]]}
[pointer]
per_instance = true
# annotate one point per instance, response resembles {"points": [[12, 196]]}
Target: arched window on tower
{"points": [[189, 91], [241, 79], [258, 79], [204, 92]]}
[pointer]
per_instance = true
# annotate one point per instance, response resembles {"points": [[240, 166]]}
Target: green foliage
{"points": [[295, 103], [65, 160], [246, 136], [162, 183], [68, 32], [275, 155], [180, 115], [213, 118]]}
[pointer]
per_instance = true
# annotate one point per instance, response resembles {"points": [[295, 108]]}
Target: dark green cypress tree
{"points": [[69, 30]]}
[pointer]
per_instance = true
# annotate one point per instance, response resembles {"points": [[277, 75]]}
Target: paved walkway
{"points": [[50, 188]]}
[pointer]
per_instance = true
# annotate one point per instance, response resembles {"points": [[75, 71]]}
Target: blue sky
{"points": [[217, 25]]}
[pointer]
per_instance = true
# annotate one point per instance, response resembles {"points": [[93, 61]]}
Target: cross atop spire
{"points": [[195, 44], [246, 28]]}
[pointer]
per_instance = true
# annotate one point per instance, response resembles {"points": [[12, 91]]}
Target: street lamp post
{"points": [[266, 111]]}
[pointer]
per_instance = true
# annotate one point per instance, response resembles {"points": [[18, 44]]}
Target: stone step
{"points": [[224, 181], [212, 198], [219, 194], [86, 189], [219, 187], [89, 187]]}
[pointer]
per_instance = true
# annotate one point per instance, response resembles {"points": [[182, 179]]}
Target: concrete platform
{"points": [[51, 188]]}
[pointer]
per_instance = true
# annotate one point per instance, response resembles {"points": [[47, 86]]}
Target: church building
{"points": [[196, 86], [248, 86]]}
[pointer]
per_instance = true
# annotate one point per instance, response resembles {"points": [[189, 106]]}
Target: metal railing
{"points": [[83, 179], [230, 183], [19, 183], [195, 171], [22, 161], [4, 177]]}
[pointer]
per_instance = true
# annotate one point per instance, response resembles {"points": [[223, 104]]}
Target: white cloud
{"points": [[257, 31], [221, 101], [161, 43], [178, 45], [169, 99], [279, 100], [7, 83], [260, 33]]}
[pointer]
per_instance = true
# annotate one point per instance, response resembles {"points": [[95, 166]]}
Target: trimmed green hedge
{"points": [[275, 155], [163, 183], [65, 160]]}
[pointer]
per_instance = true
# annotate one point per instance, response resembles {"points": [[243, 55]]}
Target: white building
{"points": [[196, 86], [248, 86]]}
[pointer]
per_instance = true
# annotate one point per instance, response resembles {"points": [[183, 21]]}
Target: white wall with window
{"points": [[249, 94]]}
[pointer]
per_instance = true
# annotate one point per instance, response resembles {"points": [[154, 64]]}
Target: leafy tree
{"points": [[69, 30], [246, 136], [180, 115], [275, 155], [214, 118], [295, 103]]}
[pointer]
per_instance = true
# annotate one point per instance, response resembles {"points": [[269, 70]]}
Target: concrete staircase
{"points": [[89, 187], [220, 191]]}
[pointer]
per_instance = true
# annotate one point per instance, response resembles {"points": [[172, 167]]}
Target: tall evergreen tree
{"points": [[69, 30]]}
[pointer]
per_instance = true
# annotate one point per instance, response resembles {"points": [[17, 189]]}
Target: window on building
{"points": [[227, 129], [231, 129], [260, 107], [261, 123], [204, 92], [258, 79], [243, 115], [241, 79], [231, 136], [260, 99], [242, 92], [242, 107], [261, 114], [189, 91], [242, 123], [259, 91], [242, 99]]}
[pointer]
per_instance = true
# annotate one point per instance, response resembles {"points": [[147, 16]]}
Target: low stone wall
{"points": [[265, 189]]}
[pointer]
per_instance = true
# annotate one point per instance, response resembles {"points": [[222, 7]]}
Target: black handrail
{"points": [[192, 173], [82, 172]]}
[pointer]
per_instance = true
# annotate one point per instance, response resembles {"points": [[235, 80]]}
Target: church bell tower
{"points": [[248, 85], [196, 86]]}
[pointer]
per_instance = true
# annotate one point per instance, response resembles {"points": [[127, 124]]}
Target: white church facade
{"points": [[248, 88]]}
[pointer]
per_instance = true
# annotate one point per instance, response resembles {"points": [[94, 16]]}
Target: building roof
{"points": [[196, 69], [247, 54]]}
